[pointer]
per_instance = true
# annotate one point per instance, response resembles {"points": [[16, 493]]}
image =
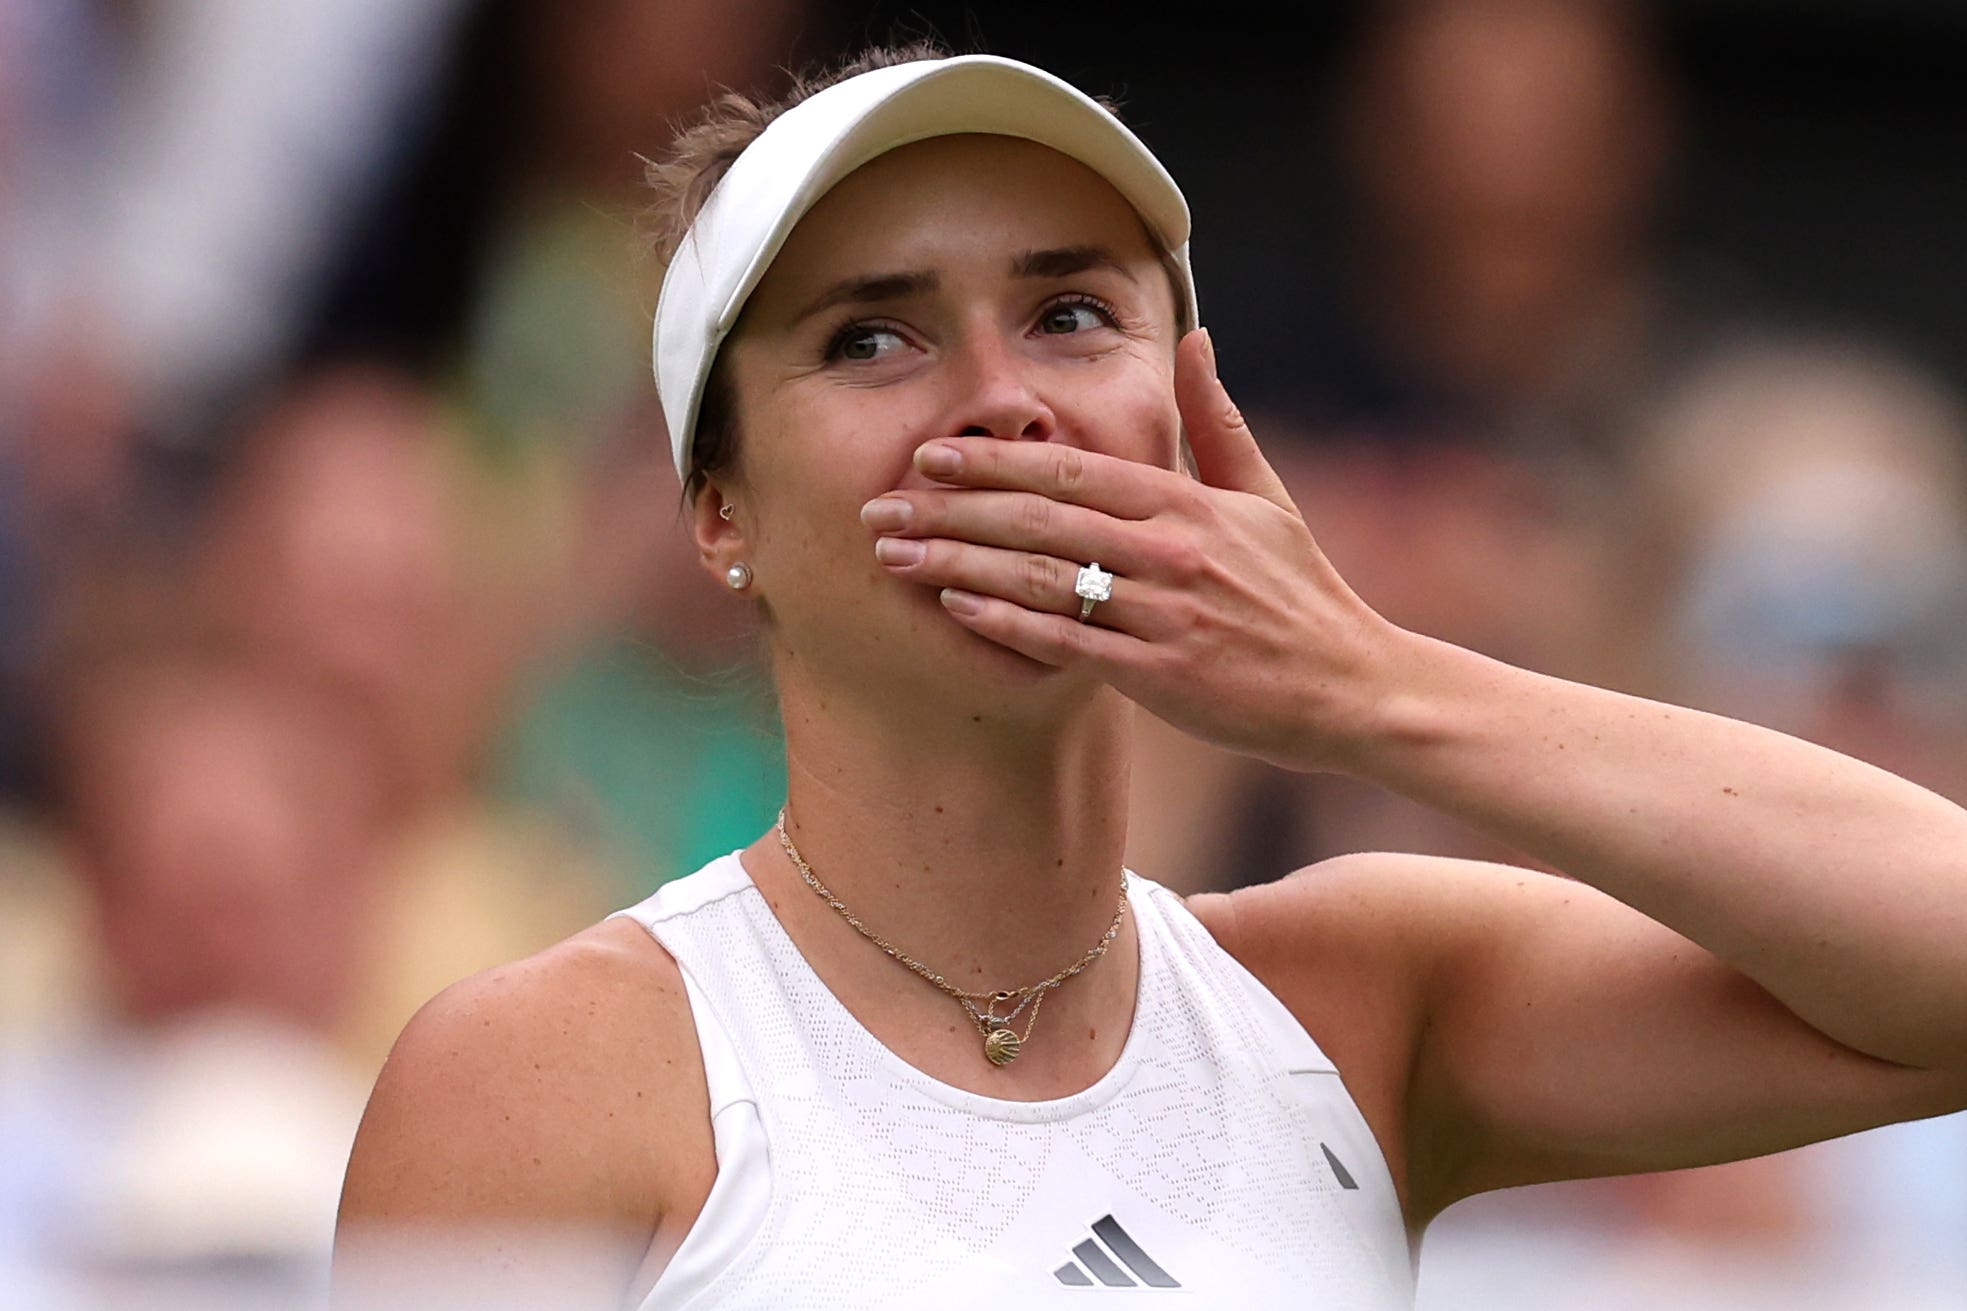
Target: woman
{"points": [[925, 357]]}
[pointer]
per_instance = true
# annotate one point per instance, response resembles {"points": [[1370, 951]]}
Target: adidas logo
{"points": [[1102, 1263]]}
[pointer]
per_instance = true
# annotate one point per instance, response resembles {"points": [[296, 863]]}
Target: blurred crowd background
{"points": [[350, 639]]}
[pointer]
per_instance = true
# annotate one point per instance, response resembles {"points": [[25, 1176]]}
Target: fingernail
{"points": [[1209, 351], [936, 458], [899, 550], [886, 513], [962, 603]]}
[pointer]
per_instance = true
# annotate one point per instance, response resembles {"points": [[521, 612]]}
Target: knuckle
{"points": [[1035, 515], [1196, 504], [1169, 662], [1195, 628], [1184, 561], [1179, 616], [1040, 576], [1191, 634], [1230, 416], [1076, 638], [1068, 468]]}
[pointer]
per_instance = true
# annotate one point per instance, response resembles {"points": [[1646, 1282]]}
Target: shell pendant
{"points": [[1001, 1046]]}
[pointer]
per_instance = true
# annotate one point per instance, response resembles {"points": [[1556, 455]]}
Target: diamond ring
{"points": [[1093, 585]]}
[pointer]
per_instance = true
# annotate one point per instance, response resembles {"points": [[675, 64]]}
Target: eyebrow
{"points": [[874, 288], [870, 289], [1066, 261]]}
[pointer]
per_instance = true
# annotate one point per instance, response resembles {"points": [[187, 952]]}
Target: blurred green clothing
{"points": [[664, 768], [657, 768]]}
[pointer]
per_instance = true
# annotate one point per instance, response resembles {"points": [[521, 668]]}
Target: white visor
{"points": [[809, 148]]}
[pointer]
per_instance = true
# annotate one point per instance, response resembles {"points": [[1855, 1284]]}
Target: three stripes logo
{"points": [[1103, 1263]]}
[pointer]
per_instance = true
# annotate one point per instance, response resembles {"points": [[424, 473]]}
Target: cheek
{"points": [[849, 445], [814, 466], [1135, 417]]}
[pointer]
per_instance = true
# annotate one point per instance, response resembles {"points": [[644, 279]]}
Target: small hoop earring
{"points": [[724, 511], [738, 576]]}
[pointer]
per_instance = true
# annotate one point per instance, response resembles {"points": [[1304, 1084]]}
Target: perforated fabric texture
{"points": [[1221, 1159]]}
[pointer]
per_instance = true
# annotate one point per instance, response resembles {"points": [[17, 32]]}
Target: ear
{"points": [[717, 524]]}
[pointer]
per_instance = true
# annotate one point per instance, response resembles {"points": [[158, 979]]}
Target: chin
{"points": [[929, 658], [1004, 661], [1005, 680]]}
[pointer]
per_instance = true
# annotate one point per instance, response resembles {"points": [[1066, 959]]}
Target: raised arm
{"points": [[1767, 946], [1763, 947], [1838, 887]]}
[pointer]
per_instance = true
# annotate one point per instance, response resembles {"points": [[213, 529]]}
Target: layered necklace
{"points": [[1001, 1043]]}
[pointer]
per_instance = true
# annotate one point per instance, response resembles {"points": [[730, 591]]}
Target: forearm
{"points": [[1838, 887]]}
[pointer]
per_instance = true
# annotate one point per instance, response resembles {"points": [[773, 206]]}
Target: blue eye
{"points": [[863, 341], [1070, 316]]}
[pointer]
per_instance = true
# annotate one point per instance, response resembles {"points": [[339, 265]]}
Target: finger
{"points": [[1048, 638], [1029, 579], [1126, 489], [1021, 521], [1226, 453]]}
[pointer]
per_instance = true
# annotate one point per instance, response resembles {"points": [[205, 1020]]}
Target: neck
{"points": [[988, 850]]}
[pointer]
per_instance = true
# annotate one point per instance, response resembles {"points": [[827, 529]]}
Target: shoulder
{"points": [[1348, 944], [1389, 910], [565, 1014], [1369, 911], [1409, 925], [563, 1089]]}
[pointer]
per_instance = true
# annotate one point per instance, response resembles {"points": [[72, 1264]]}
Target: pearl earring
{"points": [[738, 576]]}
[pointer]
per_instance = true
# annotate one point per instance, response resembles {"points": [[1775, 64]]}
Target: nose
{"points": [[993, 393]]}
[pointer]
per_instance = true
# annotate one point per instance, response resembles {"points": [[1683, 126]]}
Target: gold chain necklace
{"points": [[1001, 1043]]}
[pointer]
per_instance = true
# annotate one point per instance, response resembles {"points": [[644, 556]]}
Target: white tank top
{"points": [[1220, 1159]]}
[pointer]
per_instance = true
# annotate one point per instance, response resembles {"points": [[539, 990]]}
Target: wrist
{"points": [[1402, 701]]}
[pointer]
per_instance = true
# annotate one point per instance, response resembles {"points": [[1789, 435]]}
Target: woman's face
{"points": [[969, 285]]}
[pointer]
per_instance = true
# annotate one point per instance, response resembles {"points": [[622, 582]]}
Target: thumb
{"points": [[1226, 453]]}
